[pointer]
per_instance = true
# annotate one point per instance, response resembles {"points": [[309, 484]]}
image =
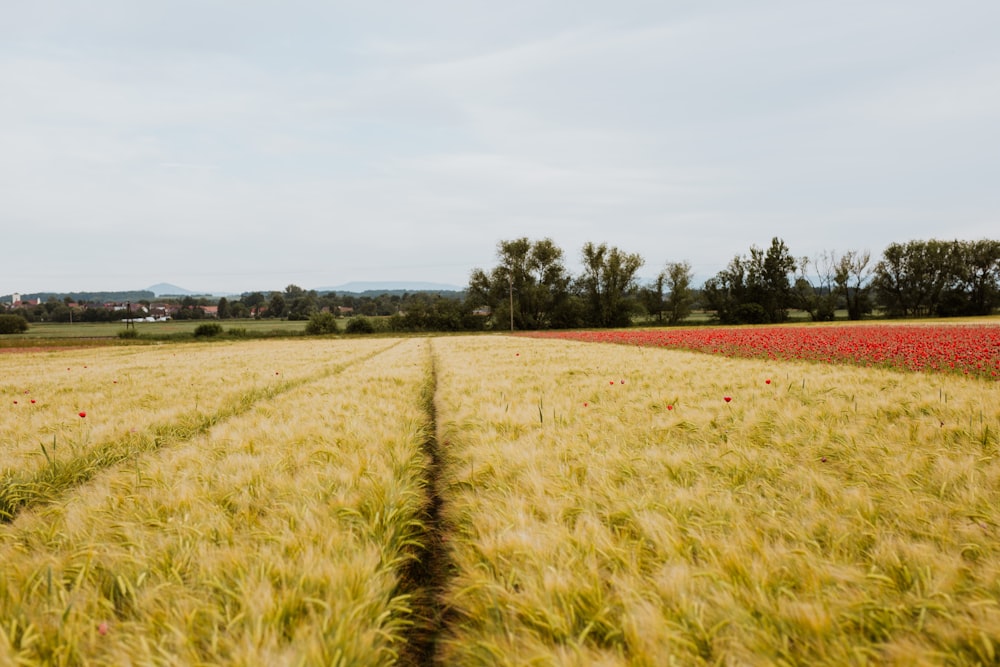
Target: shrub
{"points": [[208, 329], [360, 325], [11, 324], [237, 332], [321, 323], [128, 333]]}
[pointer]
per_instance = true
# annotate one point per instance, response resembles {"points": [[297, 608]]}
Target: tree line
{"points": [[531, 288]]}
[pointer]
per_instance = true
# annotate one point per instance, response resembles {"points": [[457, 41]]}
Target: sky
{"points": [[238, 145]]}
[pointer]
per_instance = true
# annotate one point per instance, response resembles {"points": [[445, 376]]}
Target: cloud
{"points": [[351, 141]]}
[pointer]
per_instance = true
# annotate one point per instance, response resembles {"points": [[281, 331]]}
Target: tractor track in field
{"points": [[425, 577], [21, 490]]}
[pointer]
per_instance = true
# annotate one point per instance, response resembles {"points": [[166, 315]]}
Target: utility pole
{"points": [[510, 282]]}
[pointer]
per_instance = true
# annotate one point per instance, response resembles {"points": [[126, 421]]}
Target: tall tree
{"points": [[974, 287], [254, 301], [770, 271], [754, 289], [816, 292], [726, 294], [302, 305], [529, 286], [852, 276], [910, 277], [607, 284], [651, 296], [678, 278], [276, 305]]}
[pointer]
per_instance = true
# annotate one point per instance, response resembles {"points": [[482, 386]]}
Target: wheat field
{"points": [[492, 500]]}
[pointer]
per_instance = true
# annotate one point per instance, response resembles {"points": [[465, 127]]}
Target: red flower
{"points": [[727, 398], [670, 407], [767, 381], [968, 350], [82, 414], [32, 400]]}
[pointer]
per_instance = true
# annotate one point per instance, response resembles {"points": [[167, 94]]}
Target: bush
{"points": [[208, 329], [237, 332], [360, 325], [321, 323], [128, 333], [11, 324]]}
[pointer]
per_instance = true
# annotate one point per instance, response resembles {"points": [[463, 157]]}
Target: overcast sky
{"points": [[232, 145]]}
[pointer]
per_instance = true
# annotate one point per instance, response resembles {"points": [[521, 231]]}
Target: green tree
{"points": [[276, 305], [910, 277], [974, 284], [254, 301], [755, 289], [607, 285], [238, 310], [769, 281], [360, 325], [13, 324], [816, 294], [529, 282], [224, 310], [321, 323], [651, 297], [726, 291], [303, 305], [852, 275], [677, 278]]}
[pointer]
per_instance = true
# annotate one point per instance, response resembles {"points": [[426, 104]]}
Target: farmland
{"points": [[967, 349], [494, 500]]}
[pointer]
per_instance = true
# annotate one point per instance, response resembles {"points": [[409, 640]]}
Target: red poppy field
{"points": [[968, 350]]}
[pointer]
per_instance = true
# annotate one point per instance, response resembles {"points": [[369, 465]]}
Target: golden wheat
{"points": [[608, 506], [275, 538]]}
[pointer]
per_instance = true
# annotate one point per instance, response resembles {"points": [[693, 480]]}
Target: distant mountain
{"points": [[359, 287], [165, 289]]}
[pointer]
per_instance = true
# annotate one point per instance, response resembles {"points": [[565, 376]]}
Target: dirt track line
{"points": [[425, 576]]}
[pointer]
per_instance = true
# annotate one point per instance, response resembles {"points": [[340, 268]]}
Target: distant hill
{"points": [[362, 287], [164, 289]]}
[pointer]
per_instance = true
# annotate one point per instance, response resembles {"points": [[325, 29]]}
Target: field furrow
{"points": [[618, 505], [280, 536], [152, 409]]}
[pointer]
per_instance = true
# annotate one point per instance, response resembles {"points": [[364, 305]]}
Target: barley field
{"points": [[492, 500]]}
